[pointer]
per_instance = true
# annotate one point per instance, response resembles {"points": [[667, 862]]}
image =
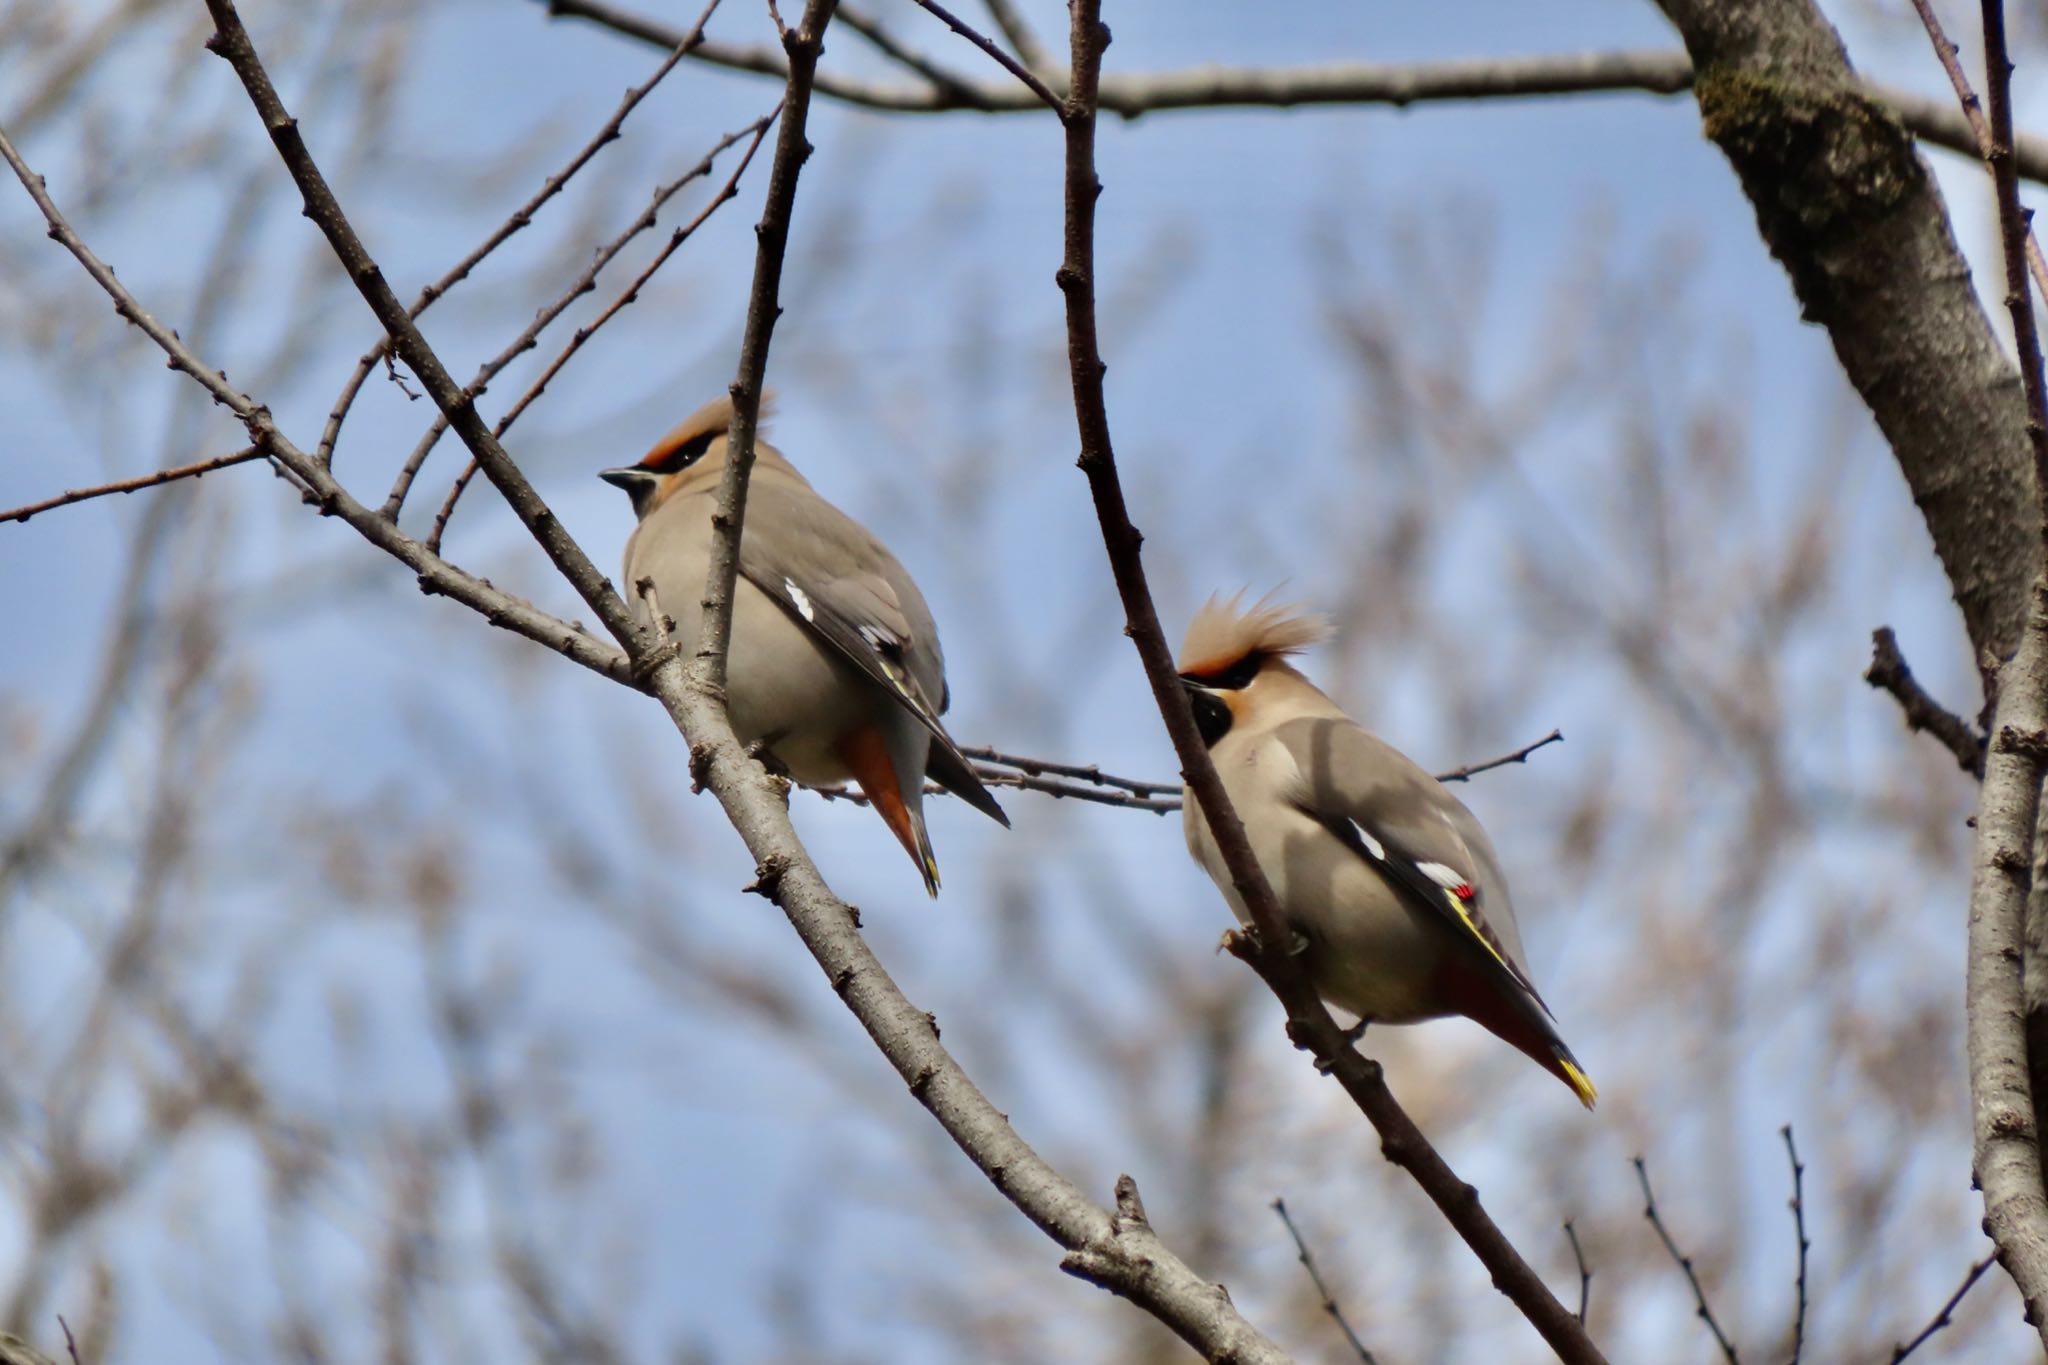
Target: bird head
{"points": [[696, 447], [1233, 655]]}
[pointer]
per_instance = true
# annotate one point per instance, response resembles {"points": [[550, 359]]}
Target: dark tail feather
{"points": [[951, 770], [1510, 1014]]}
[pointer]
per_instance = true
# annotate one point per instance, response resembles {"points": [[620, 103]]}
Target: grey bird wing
{"points": [[1415, 834], [829, 573]]}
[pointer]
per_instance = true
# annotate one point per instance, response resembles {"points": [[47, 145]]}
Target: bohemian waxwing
{"points": [[834, 668], [1393, 888]]}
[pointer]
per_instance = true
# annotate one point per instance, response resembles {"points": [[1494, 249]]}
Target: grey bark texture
{"points": [[2007, 1156]]}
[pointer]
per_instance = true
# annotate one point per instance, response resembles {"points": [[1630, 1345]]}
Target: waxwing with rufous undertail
{"points": [[1393, 889], [834, 670]]}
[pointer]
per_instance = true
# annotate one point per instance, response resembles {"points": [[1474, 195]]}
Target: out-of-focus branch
{"points": [[1308, 1020], [1029, 49], [2007, 1156], [1324, 84], [1946, 1313], [1692, 1279], [15, 1351], [1888, 671], [197, 469], [1330, 1306]]}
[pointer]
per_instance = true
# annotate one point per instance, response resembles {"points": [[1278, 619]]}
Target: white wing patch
{"points": [[803, 603], [1372, 845], [1448, 878]]}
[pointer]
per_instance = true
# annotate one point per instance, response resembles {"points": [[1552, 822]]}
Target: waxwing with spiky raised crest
{"points": [[1393, 888], [834, 670]]}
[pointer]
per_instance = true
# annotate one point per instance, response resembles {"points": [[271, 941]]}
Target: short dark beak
{"points": [[627, 478]]}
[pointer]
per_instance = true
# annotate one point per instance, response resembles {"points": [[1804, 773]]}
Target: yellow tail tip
{"points": [[1579, 1081]]}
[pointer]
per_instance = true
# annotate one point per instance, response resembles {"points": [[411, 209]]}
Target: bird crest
{"points": [[1225, 632], [693, 436]]}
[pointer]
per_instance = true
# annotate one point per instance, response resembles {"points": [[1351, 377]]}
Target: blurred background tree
{"points": [[370, 986]]}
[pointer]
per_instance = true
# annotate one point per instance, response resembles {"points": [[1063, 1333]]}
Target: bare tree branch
{"points": [[2014, 237], [520, 218], [802, 47], [231, 41], [1003, 59], [1327, 84], [1308, 1021], [1520, 755], [1699, 1294], [2007, 1156], [1029, 50], [1988, 146], [1888, 671], [1571, 1234], [584, 282], [1946, 1312], [196, 469], [1798, 1206]]}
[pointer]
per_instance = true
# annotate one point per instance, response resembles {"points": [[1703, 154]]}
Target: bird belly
{"points": [[784, 685], [1366, 950]]}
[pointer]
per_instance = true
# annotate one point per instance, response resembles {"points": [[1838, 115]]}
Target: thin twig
{"points": [[585, 282], [1973, 111], [1001, 58], [2012, 232], [1032, 767], [1888, 671], [162, 476], [1316, 1276], [435, 575], [1942, 1317], [1571, 1234], [520, 218], [1520, 755], [1699, 1294], [1798, 1206], [1309, 1021], [232, 42]]}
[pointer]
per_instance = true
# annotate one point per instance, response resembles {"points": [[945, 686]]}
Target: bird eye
{"points": [[682, 455], [1212, 717]]}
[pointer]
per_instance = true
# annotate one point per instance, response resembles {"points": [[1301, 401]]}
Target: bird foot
{"points": [[1352, 1036]]}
